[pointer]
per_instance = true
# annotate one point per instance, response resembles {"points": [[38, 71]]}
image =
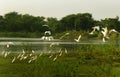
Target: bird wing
{"points": [[79, 37]]}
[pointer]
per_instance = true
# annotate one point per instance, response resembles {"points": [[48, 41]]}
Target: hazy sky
{"points": [[100, 9]]}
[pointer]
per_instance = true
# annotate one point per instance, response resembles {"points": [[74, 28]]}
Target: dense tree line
{"points": [[15, 22]]}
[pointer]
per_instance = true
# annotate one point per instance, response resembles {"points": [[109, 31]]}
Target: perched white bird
{"points": [[60, 50], [55, 58], [23, 52], [13, 60], [103, 39], [40, 54], [34, 57], [9, 43], [50, 38], [19, 55], [77, 40], [22, 57], [3, 52], [5, 55], [51, 56], [25, 57], [30, 61], [30, 54], [94, 29], [49, 51], [47, 32], [60, 53], [33, 51], [66, 51]]}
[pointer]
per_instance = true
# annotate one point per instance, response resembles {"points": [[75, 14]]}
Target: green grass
{"points": [[80, 61]]}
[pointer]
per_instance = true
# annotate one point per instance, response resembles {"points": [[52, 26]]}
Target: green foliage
{"points": [[15, 22]]}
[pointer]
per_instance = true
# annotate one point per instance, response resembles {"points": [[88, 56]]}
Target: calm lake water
{"points": [[39, 45]]}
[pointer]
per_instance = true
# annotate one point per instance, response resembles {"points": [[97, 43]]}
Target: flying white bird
{"points": [[113, 30], [64, 35], [94, 29], [107, 32], [77, 40]]}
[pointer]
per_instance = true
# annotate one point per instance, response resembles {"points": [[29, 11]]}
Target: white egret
{"points": [[8, 52], [50, 38], [49, 51], [13, 60], [60, 53], [55, 58], [64, 35], [51, 56], [30, 54], [5, 55], [47, 32], [33, 51], [113, 30], [94, 29], [9, 43], [25, 57], [30, 61], [19, 56], [3, 52], [60, 50], [107, 32], [23, 51], [40, 54], [34, 57], [47, 36], [66, 51], [78, 39], [54, 44]]}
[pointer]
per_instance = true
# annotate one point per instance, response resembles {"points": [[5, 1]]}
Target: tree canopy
{"points": [[15, 22]]}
